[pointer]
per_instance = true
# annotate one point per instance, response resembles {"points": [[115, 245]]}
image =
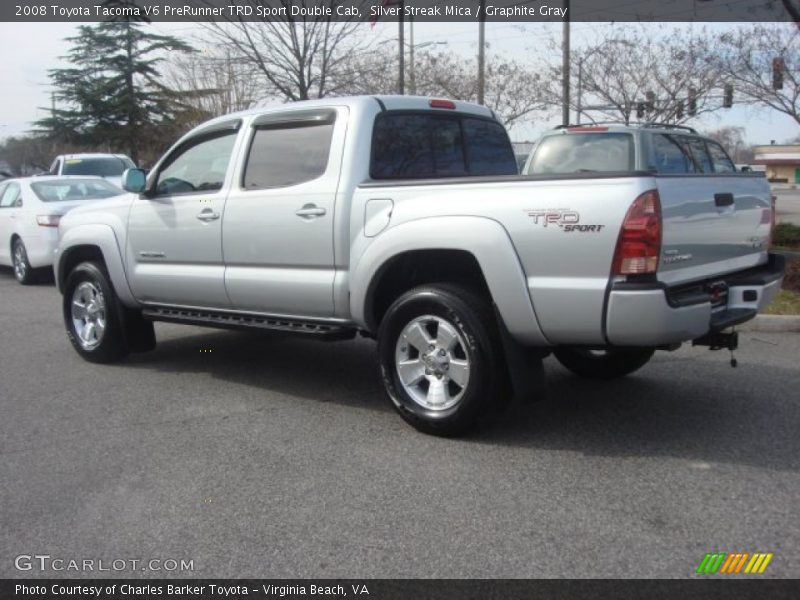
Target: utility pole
{"points": [[412, 71], [401, 84], [565, 67], [482, 52], [580, 91]]}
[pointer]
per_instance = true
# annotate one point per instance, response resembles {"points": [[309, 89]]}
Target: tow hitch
{"points": [[720, 340]]}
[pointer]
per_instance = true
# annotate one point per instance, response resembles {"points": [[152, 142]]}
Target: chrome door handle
{"points": [[309, 211], [208, 215]]}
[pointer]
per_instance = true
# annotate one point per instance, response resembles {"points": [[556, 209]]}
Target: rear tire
{"points": [[93, 315], [607, 364], [24, 273], [441, 359]]}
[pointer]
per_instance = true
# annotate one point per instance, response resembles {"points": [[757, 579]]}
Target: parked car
{"points": [[30, 210], [403, 219], [615, 147], [108, 166]]}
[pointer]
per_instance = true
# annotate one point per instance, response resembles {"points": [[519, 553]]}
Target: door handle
{"points": [[722, 200], [208, 214], [309, 211]]}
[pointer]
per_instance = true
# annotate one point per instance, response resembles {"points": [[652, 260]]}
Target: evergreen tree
{"points": [[111, 95]]}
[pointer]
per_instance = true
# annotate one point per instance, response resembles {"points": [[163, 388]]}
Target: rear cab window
{"points": [[576, 152], [424, 145]]}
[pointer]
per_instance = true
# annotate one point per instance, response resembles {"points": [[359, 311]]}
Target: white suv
{"points": [[107, 166]]}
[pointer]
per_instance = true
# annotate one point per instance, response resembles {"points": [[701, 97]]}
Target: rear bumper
{"points": [[653, 314]]}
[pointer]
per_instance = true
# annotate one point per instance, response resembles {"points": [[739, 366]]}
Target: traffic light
{"points": [[651, 101], [692, 102], [778, 65], [640, 110], [679, 110], [727, 100]]}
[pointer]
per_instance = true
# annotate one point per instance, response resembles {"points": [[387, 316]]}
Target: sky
{"points": [[30, 49]]}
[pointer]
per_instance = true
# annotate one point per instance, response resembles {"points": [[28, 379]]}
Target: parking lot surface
{"points": [[262, 456]]}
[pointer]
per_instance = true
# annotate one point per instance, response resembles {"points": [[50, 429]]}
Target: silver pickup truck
{"points": [[403, 219]]}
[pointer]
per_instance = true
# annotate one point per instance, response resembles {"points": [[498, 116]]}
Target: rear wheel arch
{"points": [[412, 268]]}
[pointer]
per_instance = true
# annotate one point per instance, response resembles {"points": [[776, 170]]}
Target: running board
{"points": [[246, 321]]}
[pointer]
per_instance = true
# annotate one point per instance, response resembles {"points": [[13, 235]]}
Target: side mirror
{"points": [[746, 169], [134, 180]]}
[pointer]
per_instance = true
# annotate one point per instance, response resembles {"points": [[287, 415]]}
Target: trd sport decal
{"points": [[566, 219]]}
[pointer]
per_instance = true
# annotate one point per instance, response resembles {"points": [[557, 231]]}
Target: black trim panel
{"points": [[297, 118], [696, 292]]}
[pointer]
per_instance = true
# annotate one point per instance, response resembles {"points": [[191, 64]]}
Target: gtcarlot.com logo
{"points": [[45, 562], [734, 563]]}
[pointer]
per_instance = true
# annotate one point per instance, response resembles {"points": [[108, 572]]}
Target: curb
{"points": [[773, 324]]}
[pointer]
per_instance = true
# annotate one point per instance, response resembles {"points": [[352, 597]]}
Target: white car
{"points": [[107, 166], [30, 209]]}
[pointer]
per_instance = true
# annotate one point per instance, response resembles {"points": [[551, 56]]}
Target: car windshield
{"points": [[60, 190], [581, 152], [111, 166]]}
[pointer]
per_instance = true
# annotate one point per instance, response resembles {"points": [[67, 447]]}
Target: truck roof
{"points": [[388, 102]]}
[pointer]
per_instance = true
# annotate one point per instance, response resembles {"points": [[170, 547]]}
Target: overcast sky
{"points": [[30, 49]]}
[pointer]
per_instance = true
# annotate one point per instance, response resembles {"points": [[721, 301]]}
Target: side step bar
{"points": [[249, 322]]}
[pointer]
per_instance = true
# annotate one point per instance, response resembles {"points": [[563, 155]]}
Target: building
{"points": [[782, 162]]}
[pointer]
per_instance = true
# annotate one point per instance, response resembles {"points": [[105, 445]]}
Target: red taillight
{"points": [[639, 244], [442, 104]]}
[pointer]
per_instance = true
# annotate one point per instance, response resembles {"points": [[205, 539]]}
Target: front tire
{"points": [[441, 359], [603, 364], [93, 315], [23, 271]]}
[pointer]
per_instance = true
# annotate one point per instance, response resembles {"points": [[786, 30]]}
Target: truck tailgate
{"points": [[712, 225]]}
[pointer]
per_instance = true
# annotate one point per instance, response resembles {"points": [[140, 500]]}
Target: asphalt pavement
{"points": [[261, 456]]}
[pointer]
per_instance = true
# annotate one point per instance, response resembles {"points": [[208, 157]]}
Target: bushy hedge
{"points": [[786, 234]]}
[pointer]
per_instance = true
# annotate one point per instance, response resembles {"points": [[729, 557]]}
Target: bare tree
{"points": [[747, 58], [297, 58], [732, 139], [626, 71], [211, 83], [511, 90]]}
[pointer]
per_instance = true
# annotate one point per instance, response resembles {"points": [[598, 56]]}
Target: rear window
{"points": [[74, 189], [416, 146], [577, 152], [111, 166]]}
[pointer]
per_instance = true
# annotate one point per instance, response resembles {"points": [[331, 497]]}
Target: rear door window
{"points": [[284, 156], [10, 195], [720, 159], [697, 147], [583, 152], [416, 146], [669, 156]]}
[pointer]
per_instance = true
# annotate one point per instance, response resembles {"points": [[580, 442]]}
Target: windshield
{"points": [[74, 189], [111, 166], [576, 152]]}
